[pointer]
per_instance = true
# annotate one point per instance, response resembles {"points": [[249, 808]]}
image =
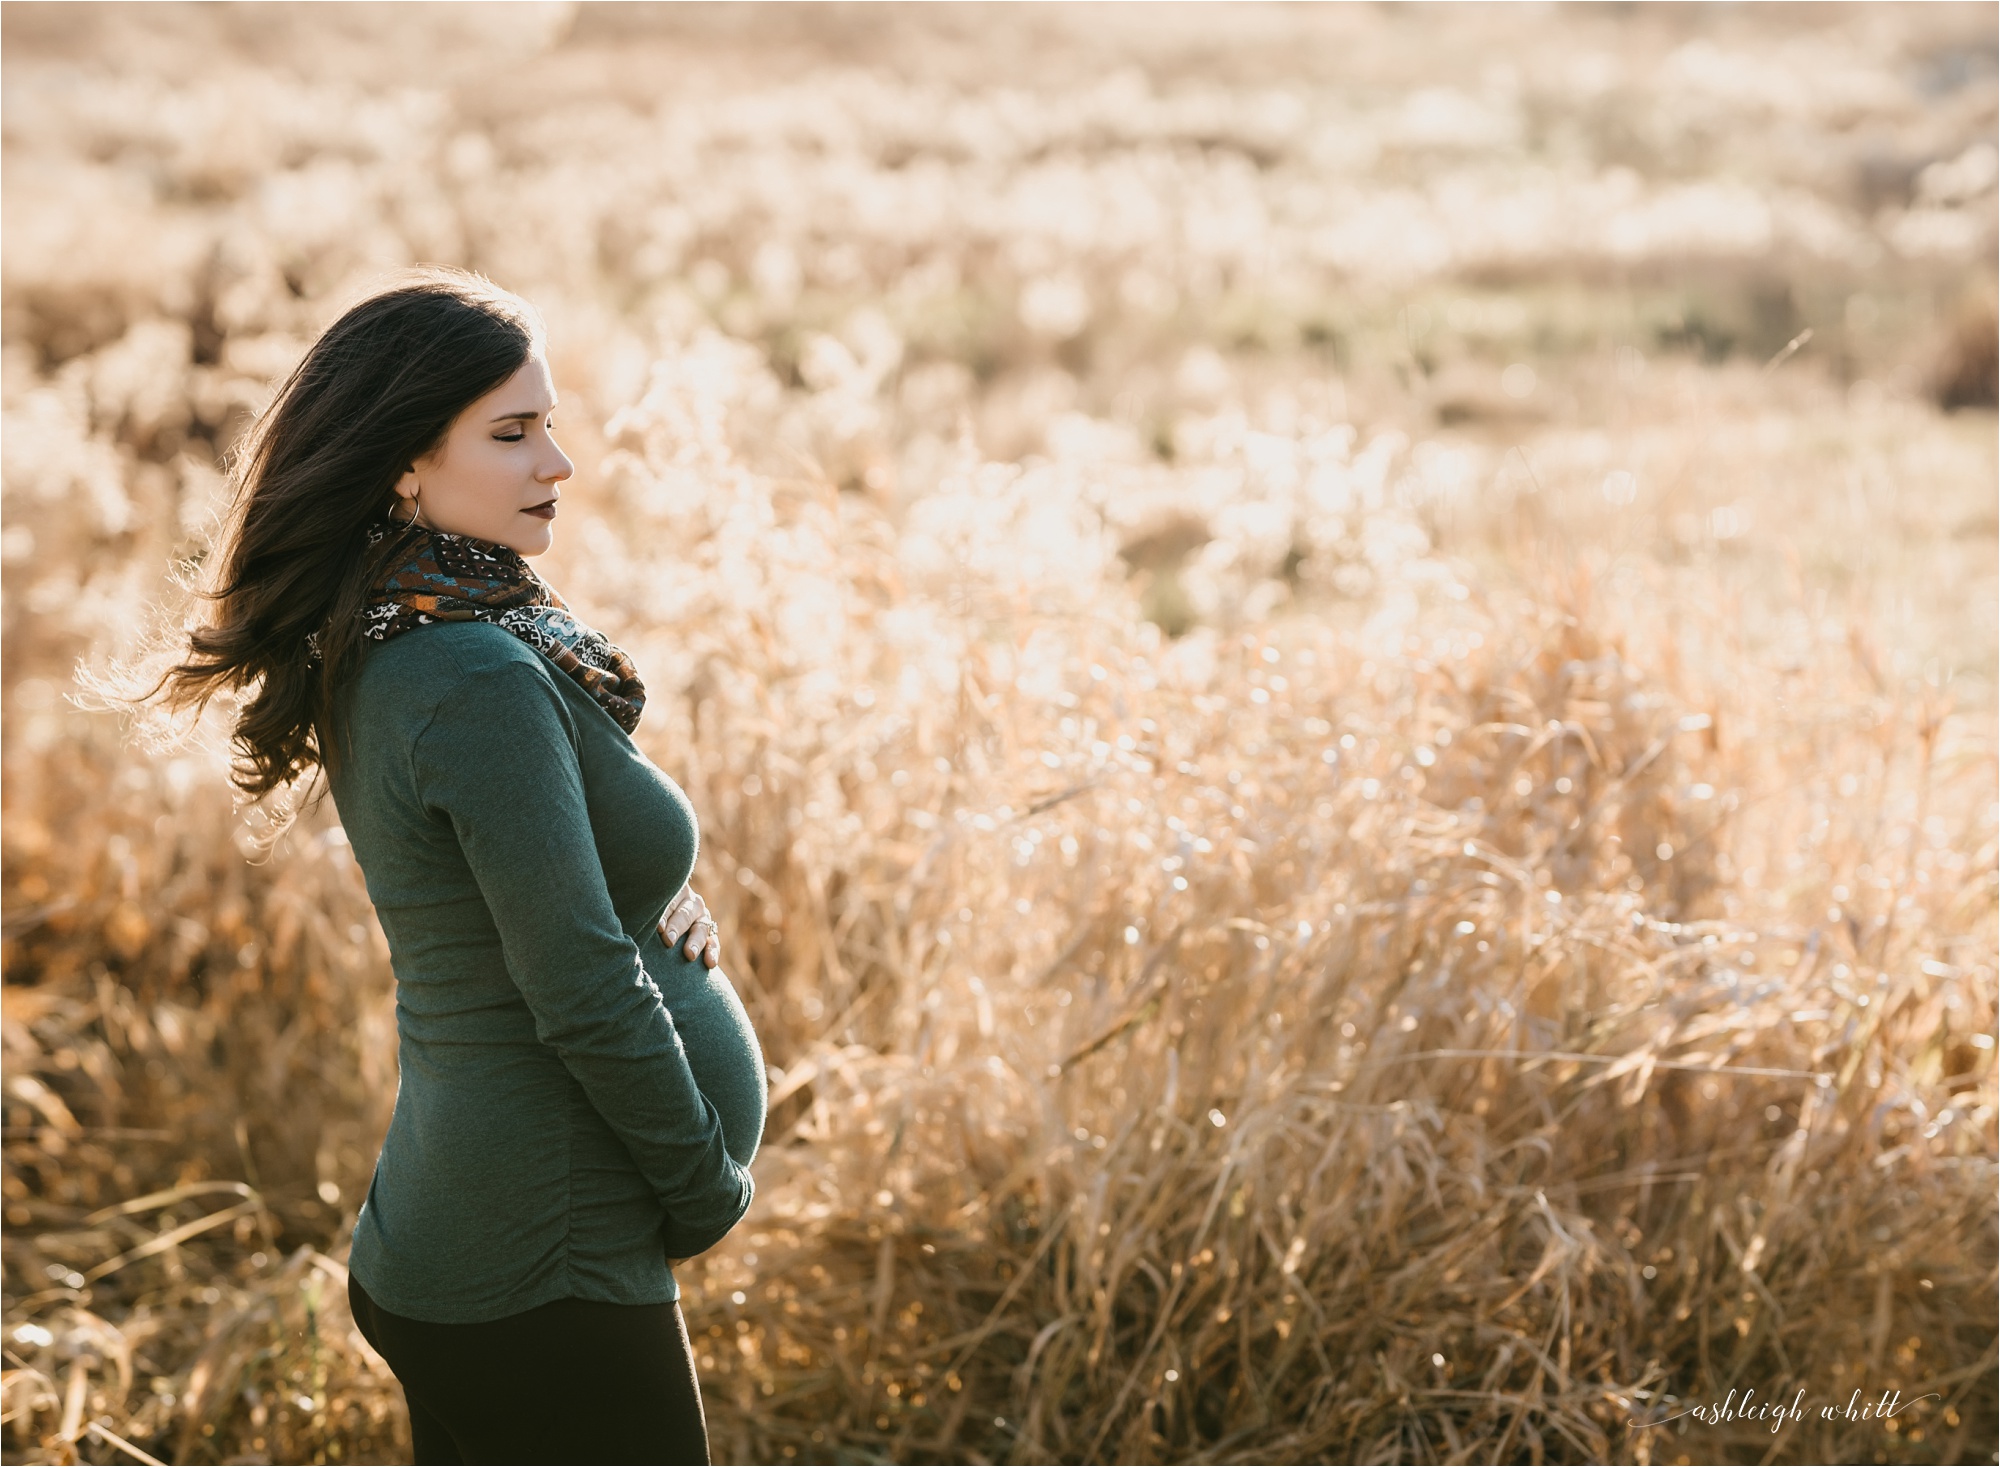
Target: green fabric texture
{"points": [[578, 1103]]}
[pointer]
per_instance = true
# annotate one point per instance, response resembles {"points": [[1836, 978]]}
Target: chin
{"points": [[532, 542]]}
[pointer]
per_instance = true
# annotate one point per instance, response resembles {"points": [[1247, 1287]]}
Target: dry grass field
{"points": [[1338, 663]]}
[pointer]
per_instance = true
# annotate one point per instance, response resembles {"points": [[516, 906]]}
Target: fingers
{"points": [[676, 920], [681, 917], [703, 933], [690, 919]]}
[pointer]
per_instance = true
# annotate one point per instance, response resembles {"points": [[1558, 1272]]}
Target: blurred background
{"points": [[1338, 663]]}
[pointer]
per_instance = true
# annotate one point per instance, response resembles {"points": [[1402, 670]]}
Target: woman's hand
{"points": [[689, 918]]}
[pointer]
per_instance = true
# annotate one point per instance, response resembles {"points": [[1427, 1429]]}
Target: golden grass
{"points": [[1521, 963]]}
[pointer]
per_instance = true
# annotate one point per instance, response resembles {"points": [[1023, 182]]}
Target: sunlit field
{"points": [[1338, 665]]}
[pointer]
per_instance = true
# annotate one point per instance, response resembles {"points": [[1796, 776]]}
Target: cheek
{"points": [[476, 471]]}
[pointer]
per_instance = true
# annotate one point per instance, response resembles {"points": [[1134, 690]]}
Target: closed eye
{"points": [[549, 424]]}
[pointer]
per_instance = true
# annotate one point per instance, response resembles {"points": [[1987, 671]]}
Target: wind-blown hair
{"points": [[291, 574]]}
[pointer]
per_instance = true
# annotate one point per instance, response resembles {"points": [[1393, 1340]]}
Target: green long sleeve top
{"points": [[578, 1103]]}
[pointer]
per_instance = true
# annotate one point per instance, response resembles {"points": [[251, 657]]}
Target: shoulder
{"points": [[431, 661], [467, 679]]}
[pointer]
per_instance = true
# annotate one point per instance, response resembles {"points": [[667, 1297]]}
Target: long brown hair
{"points": [[376, 392]]}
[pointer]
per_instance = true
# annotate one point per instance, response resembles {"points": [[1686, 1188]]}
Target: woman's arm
{"points": [[498, 758]]}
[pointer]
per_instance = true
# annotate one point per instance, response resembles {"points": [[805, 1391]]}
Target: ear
{"points": [[406, 486]]}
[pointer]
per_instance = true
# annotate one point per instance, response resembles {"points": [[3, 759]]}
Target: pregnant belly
{"points": [[721, 1046]]}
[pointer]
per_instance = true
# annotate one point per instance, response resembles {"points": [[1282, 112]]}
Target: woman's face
{"points": [[494, 477]]}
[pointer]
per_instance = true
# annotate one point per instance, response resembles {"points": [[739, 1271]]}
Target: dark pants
{"points": [[570, 1381]]}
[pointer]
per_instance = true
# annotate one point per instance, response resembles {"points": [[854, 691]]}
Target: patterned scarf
{"points": [[457, 578]]}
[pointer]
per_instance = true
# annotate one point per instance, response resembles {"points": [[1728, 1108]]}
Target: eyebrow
{"points": [[527, 417]]}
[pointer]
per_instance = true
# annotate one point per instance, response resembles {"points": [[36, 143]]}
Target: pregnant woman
{"points": [[581, 1091]]}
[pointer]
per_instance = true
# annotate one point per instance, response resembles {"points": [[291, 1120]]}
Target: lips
{"points": [[546, 510]]}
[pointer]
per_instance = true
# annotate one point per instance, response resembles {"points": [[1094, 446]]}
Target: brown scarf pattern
{"points": [[448, 577]]}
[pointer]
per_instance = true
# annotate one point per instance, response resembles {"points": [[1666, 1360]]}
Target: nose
{"points": [[556, 467]]}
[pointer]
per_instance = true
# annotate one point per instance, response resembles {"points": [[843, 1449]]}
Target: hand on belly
{"points": [[688, 915]]}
